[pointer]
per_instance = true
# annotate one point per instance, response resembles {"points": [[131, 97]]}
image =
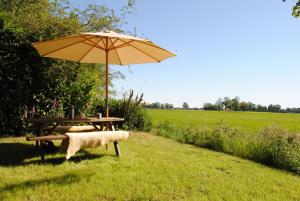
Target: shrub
{"points": [[272, 145], [135, 116], [229, 140]]}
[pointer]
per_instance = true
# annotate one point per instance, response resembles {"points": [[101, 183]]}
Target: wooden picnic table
{"points": [[47, 125]]}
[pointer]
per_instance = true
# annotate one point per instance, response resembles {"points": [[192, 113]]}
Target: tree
{"points": [[29, 80], [261, 108], [209, 106], [274, 108], [219, 104], [235, 103], [227, 103], [296, 9], [185, 106], [243, 106]]}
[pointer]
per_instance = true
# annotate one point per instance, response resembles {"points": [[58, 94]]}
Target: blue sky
{"points": [[229, 48]]}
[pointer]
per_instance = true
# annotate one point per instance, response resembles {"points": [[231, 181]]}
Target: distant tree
{"points": [[158, 105], [219, 104], [227, 103], [293, 110], [185, 106], [243, 106], [251, 106], [261, 108], [235, 103], [168, 106], [274, 108], [209, 106]]}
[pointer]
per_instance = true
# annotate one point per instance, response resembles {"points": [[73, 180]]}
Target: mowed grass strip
{"points": [[152, 168], [251, 121]]}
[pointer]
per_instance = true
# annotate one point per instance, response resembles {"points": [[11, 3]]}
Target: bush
{"points": [[135, 116], [272, 146], [229, 140]]}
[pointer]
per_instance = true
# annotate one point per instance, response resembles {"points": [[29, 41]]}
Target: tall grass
{"points": [[272, 145]]}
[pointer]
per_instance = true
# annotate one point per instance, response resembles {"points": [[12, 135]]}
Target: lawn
{"points": [[251, 121], [152, 168]]}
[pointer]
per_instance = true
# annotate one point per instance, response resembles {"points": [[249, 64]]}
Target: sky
{"points": [[248, 49]]}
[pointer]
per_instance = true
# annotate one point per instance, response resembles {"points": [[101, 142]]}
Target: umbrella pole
{"points": [[106, 82]]}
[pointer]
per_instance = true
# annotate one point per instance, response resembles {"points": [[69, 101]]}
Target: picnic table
{"points": [[44, 127]]}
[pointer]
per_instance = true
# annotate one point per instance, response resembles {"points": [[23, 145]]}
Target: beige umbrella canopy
{"points": [[103, 48]]}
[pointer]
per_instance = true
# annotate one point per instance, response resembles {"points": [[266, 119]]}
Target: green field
{"points": [[251, 121], [152, 168]]}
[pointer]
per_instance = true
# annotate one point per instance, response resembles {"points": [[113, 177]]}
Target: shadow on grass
{"points": [[15, 154], [66, 179]]}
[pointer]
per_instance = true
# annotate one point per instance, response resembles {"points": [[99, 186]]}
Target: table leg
{"points": [[36, 145], [117, 149], [38, 133], [116, 144], [102, 127], [106, 127]]}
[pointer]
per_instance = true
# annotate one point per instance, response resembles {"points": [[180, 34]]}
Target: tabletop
{"points": [[75, 120]]}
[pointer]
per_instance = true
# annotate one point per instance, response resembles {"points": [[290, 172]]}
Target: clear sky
{"points": [[229, 48]]}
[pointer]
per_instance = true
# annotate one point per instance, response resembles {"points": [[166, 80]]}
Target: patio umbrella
{"points": [[103, 48]]}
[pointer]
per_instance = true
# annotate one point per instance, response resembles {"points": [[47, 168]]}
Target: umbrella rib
{"points": [[144, 52], [124, 44], [102, 43], [118, 57], [96, 44], [93, 45], [62, 48], [112, 43], [116, 51], [87, 53]]}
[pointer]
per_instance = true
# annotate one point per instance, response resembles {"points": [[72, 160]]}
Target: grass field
{"points": [[152, 168], [252, 121]]}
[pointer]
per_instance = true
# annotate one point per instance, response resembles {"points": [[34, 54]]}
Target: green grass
{"points": [[251, 121], [152, 168]]}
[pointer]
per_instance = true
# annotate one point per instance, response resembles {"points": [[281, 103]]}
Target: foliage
{"points": [[129, 108], [15, 77], [272, 146], [185, 105], [275, 146], [235, 104], [296, 8], [31, 84], [158, 105]]}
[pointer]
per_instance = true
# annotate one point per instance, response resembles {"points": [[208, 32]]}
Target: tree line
{"points": [[158, 105], [234, 104]]}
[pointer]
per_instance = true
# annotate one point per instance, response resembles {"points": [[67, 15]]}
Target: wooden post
{"points": [[106, 81]]}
